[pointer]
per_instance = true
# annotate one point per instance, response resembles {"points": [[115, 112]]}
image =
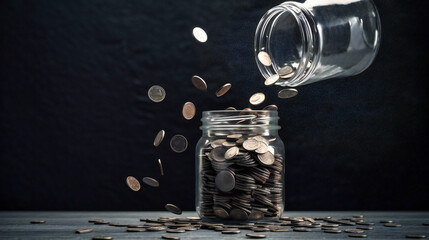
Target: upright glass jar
{"points": [[239, 166], [300, 43]]}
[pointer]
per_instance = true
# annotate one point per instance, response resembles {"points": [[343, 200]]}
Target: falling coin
{"points": [[264, 58], [287, 93], [271, 79], [257, 98], [286, 72], [225, 181], [199, 83], [173, 209], [84, 230], [188, 110], [199, 34], [133, 183], [151, 181], [178, 143], [224, 89], [160, 167], [271, 108], [158, 138], [156, 93]]}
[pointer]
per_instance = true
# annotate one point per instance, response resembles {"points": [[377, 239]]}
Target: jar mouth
{"points": [[286, 35], [239, 119]]}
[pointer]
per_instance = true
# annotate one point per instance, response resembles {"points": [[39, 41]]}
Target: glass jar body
{"points": [[318, 39], [234, 181]]}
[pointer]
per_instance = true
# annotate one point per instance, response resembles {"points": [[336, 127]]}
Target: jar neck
{"points": [[288, 27]]}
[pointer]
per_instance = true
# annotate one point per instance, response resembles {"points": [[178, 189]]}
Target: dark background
{"points": [[76, 119]]}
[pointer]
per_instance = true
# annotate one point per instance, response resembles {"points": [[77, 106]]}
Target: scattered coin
{"points": [[365, 223], [353, 231], [151, 181], [188, 110], [365, 227], [271, 80], [230, 231], [130, 229], [253, 235], [38, 221], [260, 229], [171, 230], [357, 235], [200, 34], [133, 183], [301, 229], [155, 229], [271, 108], [415, 236], [392, 225], [287, 93], [102, 238], [257, 98], [178, 143], [264, 58], [286, 72], [173, 209], [332, 231], [101, 222], [224, 89], [118, 224], [156, 93], [225, 181], [279, 230], [160, 167], [170, 237], [199, 83], [158, 138], [84, 230]]}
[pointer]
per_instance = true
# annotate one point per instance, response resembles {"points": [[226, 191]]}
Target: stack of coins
{"points": [[241, 174]]}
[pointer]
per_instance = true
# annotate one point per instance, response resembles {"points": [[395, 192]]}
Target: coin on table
{"points": [[301, 229], [357, 235], [253, 235], [332, 231], [38, 221], [173, 209], [271, 107], [156, 93], [133, 183], [199, 83], [416, 236], [170, 237], [160, 167], [188, 110], [175, 230], [365, 227], [286, 72], [271, 80], [225, 181], [230, 231], [251, 144], [158, 138], [200, 34], [102, 238], [130, 229], [224, 89], [231, 153], [287, 93], [151, 181], [392, 225], [84, 230], [257, 98], [178, 143], [264, 58], [354, 231]]}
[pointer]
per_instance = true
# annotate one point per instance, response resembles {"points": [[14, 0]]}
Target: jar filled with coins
{"points": [[240, 166], [300, 43]]}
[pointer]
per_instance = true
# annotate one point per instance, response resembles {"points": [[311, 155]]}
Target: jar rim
{"points": [[239, 119]]}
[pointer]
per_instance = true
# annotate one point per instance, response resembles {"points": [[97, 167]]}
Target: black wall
{"points": [[76, 119]]}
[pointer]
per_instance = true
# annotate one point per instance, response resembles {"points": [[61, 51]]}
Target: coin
{"points": [[356, 235], [199, 34], [155, 229], [264, 58], [173, 209], [231, 108], [151, 181], [286, 72], [253, 235], [416, 236], [38, 221], [251, 144], [392, 225], [225, 181], [160, 167], [266, 158], [230, 231], [271, 80], [231, 153], [358, 216], [287, 93], [101, 222], [224, 89], [188, 110], [170, 237], [238, 214], [220, 212], [301, 229], [257, 98], [199, 83], [171, 230], [271, 108], [84, 230], [332, 231], [117, 224], [158, 138], [136, 229], [178, 143], [156, 93], [133, 183], [102, 238], [386, 221], [365, 228], [354, 231]]}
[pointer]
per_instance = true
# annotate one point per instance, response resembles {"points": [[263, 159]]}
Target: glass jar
{"points": [[316, 40], [239, 166]]}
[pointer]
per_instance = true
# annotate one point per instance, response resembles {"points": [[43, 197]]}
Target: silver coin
{"points": [[266, 158], [286, 72], [251, 144], [218, 154], [156, 93], [271, 79], [264, 58], [231, 153], [225, 181], [263, 148], [199, 83], [287, 93], [257, 98], [178, 143], [151, 181], [159, 137], [160, 167], [199, 34]]}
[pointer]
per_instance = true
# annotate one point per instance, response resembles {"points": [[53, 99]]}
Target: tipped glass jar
{"points": [[240, 166], [301, 43]]}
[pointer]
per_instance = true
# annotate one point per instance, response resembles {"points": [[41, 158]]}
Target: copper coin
{"points": [[264, 58], [199, 83], [271, 79], [158, 138], [133, 183], [224, 89], [257, 98], [188, 110]]}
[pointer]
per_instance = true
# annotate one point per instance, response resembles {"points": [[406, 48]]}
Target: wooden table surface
{"points": [[62, 225]]}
